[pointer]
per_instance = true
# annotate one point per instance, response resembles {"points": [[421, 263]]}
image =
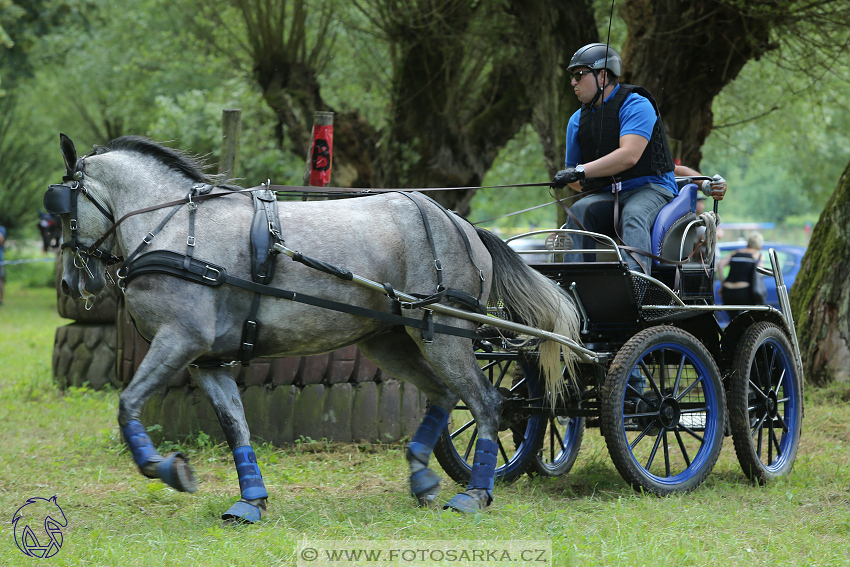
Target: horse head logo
{"points": [[38, 527]]}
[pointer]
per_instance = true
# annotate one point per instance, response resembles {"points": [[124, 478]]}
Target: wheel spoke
{"points": [[642, 434], [503, 369], [770, 368], [691, 432], [682, 447], [552, 431], [641, 396], [679, 375], [502, 451], [662, 370], [462, 428], [769, 442], [765, 384], [557, 435], [666, 454], [775, 441], [758, 428], [650, 378], [757, 390], [687, 391], [779, 382], [782, 423], [517, 385], [654, 451], [471, 443]]}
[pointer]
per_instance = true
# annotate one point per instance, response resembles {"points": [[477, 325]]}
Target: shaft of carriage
{"points": [[583, 354]]}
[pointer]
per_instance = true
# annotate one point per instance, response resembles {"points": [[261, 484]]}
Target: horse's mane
{"points": [[190, 165]]}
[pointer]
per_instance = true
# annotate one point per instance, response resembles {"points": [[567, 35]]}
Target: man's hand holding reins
{"points": [[567, 176]]}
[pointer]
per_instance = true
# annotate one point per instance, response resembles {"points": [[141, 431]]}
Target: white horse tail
{"points": [[536, 301]]}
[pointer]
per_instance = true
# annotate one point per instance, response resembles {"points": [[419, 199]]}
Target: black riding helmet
{"points": [[593, 56], [597, 56]]}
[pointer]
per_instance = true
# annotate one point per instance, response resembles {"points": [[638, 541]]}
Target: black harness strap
{"points": [[441, 292], [265, 233], [205, 273]]}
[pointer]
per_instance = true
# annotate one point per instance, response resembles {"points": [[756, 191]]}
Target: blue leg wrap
{"points": [[483, 477], [484, 466], [243, 512], [175, 471], [140, 444], [426, 435], [250, 480]]}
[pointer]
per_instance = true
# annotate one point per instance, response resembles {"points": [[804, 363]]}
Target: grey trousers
{"points": [[638, 209]]}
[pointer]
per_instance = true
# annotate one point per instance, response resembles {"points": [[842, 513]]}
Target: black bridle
{"points": [[62, 199]]}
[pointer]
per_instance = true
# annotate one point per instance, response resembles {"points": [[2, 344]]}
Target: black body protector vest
{"points": [[656, 158]]}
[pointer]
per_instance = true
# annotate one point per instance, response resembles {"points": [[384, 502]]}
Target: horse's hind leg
{"points": [[221, 389], [444, 369], [453, 358], [398, 355]]}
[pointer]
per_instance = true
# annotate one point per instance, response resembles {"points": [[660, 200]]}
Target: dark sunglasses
{"points": [[577, 75]]}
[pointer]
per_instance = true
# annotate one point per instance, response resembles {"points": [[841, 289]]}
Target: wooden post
{"points": [[231, 126]]}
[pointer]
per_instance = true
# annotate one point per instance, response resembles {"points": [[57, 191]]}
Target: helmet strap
{"points": [[599, 90]]}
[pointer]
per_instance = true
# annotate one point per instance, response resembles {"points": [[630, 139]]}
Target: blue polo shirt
{"points": [[637, 116]]}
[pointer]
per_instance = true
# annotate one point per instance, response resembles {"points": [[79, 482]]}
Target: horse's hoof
{"points": [[466, 504], [425, 486], [175, 471], [243, 512]]}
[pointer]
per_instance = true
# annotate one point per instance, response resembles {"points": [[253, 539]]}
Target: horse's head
{"points": [[86, 217]]}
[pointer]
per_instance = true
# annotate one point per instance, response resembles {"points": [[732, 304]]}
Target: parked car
{"points": [[789, 258]]}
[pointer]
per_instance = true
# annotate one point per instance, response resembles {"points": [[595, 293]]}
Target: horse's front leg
{"points": [[166, 357], [221, 389]]}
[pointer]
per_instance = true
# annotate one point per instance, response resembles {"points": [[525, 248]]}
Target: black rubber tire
{"points": [[518, 444], [765, 394], [683, 421], [561, 444]]}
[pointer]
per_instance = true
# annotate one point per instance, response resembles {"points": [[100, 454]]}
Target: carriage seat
{"points": [[671, 222]]}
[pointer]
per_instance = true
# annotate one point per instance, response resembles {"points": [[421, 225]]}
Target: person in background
{"points": [[2, 265], [736, 288]]}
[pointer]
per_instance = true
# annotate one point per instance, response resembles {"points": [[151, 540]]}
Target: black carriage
{"points": [[665, 383]]}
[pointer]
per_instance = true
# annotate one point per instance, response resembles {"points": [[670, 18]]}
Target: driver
{"points": [[616, 143]]}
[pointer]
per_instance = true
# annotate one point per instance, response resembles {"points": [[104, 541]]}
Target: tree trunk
{"points": [[684, 52], [820, 296]]}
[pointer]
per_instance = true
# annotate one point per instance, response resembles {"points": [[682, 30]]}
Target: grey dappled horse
{"points": [[188, 324]]}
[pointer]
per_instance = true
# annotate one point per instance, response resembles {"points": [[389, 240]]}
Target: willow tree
{"points": [[462, 77], [820, 296]]}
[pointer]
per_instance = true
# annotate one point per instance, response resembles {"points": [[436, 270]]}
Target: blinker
{"points": [[57, 199]]}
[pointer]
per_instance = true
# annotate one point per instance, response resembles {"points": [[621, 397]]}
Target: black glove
{"points": [[567, 176]]}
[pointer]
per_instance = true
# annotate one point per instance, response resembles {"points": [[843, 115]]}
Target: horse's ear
{"points": [[69, 152]]}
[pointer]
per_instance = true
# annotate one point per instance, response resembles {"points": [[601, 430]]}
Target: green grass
{"points": [[68, 445]]}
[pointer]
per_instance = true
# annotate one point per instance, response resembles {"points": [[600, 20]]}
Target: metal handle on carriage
{"points": [[584, 354]]}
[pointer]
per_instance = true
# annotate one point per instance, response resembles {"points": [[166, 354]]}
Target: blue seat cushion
{"points": [[682, 204]]}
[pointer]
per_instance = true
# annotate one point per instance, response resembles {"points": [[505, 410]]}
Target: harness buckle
{"points": [[207, 269], [148, 240], [73, 224], [438, 265], [190, 241], [192, 206]]}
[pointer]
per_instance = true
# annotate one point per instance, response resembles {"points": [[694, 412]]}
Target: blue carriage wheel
{"points": [[521, 429], [765, 400], [561, 443], [663, 411]]}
